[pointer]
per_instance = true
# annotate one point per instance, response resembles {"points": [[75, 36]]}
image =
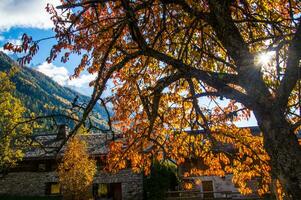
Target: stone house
{"points": [[36, 173], [214, 186]]}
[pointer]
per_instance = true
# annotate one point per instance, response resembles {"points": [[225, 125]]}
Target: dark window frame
{"points": [[110, 187], [48, 189]]}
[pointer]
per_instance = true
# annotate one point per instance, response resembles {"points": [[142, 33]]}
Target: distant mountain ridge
{"points": [[35, 90]]}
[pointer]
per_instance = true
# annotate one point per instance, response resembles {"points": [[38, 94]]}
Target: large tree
{"points": [[165, 56]]}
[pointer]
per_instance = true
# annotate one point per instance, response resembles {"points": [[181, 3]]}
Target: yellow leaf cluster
{"points": [[14, 132], [77, 170]]}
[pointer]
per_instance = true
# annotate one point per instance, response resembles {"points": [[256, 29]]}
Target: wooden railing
{"points": [[197, 195]]}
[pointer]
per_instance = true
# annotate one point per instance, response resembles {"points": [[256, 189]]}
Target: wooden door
{"points": [[116, 191], [208, 189]]}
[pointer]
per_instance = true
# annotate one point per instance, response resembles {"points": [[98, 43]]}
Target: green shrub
{"points": [[161, 179]]}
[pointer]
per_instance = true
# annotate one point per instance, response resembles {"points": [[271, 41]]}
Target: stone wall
{"points": [[26, 183], [34, 183], [131, 184], [223, 185]]}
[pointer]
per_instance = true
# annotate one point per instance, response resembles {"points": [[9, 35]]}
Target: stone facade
{"points": [[26, 183], [221, 187], [34, 183], [36, 174], [131, 184]]}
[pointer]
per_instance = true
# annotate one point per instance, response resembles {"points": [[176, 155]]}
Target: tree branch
{"points": [[292, 73], [206, 77]]}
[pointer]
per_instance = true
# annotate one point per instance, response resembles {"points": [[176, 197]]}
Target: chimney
{"points": [[62, 131]]}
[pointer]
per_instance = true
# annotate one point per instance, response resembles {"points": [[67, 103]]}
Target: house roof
{"points": [[254, 130], [46, 146]]}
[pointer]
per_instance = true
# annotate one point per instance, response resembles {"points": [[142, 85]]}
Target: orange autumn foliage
{"points": [[165, 56]]}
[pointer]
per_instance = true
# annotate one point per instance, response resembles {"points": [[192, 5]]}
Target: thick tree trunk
{"points": [[284, 150]]}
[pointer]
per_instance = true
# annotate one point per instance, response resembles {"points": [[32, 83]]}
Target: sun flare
{"points": [[265, 58]]}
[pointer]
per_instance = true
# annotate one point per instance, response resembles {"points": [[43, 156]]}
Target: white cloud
{"points": [[81, 84], [81, 81], [61, 76], [6, 51], [25, 13], [13, 41], [58, 74]]}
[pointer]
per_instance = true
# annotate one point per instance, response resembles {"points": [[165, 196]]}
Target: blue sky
{"points": [[29, 16]]}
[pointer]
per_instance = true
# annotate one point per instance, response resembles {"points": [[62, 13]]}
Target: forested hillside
{"points": [[43, 96]]}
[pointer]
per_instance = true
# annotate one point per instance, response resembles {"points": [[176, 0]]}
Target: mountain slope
{"points": [[37, 90]]}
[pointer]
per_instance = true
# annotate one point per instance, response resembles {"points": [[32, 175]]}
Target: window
{"points": [[53, 188], [107, 190], [41, 167], [102, 190], [46, 165], [100, 162]]}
